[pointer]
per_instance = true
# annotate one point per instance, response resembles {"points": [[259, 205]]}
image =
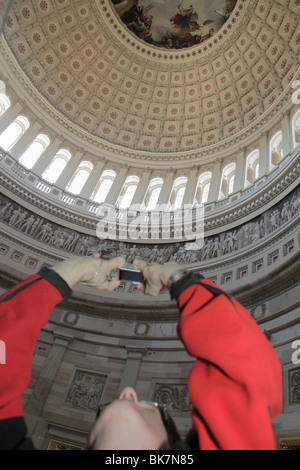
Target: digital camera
{"points": [[130, 273]]}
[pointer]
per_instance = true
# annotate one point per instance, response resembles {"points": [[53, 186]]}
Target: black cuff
{"points": [[189, 280], [57, 281], [13, 434]]}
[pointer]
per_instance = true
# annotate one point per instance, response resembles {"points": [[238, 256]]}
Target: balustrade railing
{"points": [[164, 218]]}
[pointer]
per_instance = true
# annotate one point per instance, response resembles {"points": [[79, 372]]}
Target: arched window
{"points": [[252, 168], [276, 150], [57, 166], [296, 129], [34, 151], [227, 180], [79, 178], [153, 193], [177, 193], [128, 191], [204, 181], [105, 183], [13, 132], [4, 103]]}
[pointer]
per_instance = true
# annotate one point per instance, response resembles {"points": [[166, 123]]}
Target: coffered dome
{"points": [[97, 77]]}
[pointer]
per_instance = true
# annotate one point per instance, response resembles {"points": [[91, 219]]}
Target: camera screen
{"points": [[135, 277]]}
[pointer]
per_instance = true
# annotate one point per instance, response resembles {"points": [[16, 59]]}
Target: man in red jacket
{"points": [[235, 384]]}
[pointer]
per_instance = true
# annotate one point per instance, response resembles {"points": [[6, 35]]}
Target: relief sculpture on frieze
{"points": [[173, 396], [85, 391]]}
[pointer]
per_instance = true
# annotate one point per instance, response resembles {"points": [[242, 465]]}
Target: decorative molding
{"points": [[55, 444], [289, 443], [71, 318]]}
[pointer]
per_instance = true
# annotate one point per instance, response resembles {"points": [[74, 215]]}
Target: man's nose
{"points": [[130, 394]]}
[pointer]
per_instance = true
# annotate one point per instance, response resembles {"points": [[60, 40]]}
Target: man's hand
{"points": [[91, 270], [156, 276]]}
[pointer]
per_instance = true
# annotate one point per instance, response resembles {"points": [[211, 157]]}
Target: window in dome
{"points": [[179, 198], [13, 132], [177, 193], [276, 150], [252, 168], [296, 129], [128, 191], [105, 183], [57, 166], [202, 191], [230, 184], [205, 192], [34, 151], [4, 103], [80, 177], [153, 193], [227, 180], [153, 198]]}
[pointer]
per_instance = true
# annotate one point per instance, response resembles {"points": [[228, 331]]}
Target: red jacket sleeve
{"points": [[235, 383], [24, 310]]}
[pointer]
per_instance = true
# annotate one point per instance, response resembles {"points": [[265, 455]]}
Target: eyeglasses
{"points": [[172, 432], [162, 409]]}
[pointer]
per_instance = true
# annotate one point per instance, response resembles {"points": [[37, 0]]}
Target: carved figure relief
{"points": [[174, 397], [214, 247], [85, 391], [294, 386]]}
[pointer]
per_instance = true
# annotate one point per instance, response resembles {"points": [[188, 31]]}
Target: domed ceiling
{"points": [[152, 76]]}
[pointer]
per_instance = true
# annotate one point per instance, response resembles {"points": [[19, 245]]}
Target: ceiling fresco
{"points": [[173, 25]]}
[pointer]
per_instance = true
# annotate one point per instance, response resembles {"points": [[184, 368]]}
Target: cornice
{"points": [[223, 215], [281, 281], [252, 251]]}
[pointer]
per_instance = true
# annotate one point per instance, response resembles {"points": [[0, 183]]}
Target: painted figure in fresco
{"points": [[186, 22], [184, 17], [123, 7], [188, 25]]}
